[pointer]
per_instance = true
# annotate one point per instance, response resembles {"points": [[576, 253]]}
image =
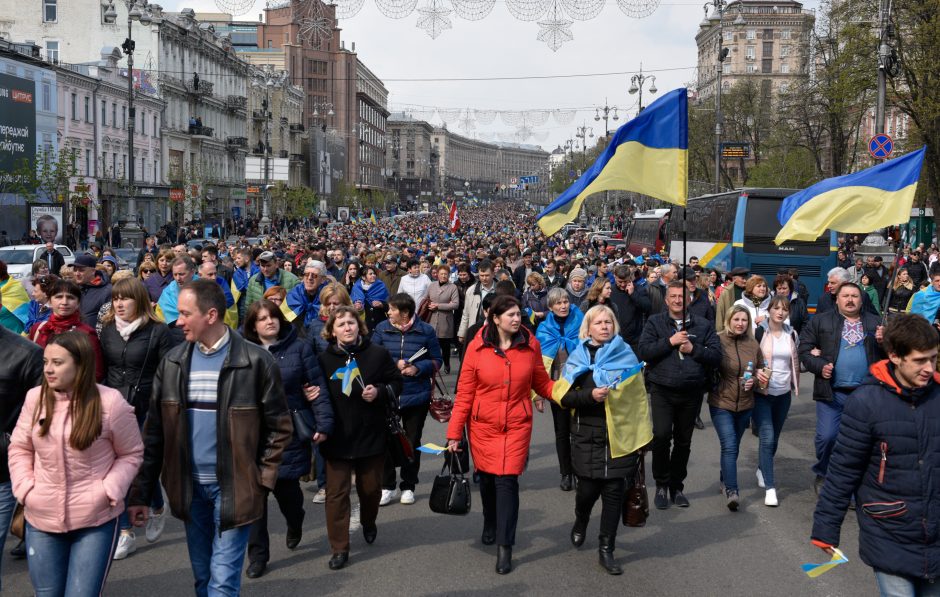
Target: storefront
{"points": [[152, 203]]}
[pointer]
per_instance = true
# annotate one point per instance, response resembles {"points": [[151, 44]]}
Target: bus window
{"points": [[761, 227]]}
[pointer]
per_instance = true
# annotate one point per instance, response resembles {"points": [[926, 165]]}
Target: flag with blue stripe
{"points": [[347, 375]]}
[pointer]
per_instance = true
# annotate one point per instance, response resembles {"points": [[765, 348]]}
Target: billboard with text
{"points": [[17, 122]]}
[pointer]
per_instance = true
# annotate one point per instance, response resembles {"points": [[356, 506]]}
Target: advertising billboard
{"points": [[46, 220], [17, 121]]}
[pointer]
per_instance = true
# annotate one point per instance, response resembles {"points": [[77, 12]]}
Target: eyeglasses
{"points": [[311, 276], [148, 271]]}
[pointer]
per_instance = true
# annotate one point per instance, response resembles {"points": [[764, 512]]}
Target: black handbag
{"points": [[305, 424], [450, 493], [636, 504], [400, 450]]}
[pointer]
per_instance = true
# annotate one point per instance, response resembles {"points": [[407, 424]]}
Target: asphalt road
{"points": [[702, 550]]}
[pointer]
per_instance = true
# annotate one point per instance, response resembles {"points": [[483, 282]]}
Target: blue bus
{"points": [[737, 229]]}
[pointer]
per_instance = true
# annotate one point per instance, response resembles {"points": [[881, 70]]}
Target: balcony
{"points": [[201, 131], [283, 120], [296, 127], [296, 157], [282, 153], [234, 103], [235, 144], [199, 88]]}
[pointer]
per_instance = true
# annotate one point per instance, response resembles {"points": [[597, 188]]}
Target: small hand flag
{"points": [[347, 374]]}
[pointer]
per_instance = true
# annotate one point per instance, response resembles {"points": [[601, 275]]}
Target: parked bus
{"points": [[648, 230], [737, 229]]}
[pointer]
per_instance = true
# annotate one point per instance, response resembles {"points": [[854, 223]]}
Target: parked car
{"points": [[20, 258], [127, 258]]}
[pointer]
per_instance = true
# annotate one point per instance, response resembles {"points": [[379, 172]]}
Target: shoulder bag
{"points": [[442, 403], [450, 492], [636, 505], [400, 450]]}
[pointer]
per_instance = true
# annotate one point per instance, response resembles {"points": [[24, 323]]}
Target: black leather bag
{"points": [[636, 504], [450, 493], [305, 424]]}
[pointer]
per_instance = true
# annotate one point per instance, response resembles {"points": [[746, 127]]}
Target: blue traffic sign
{"points": [[880, 146]]}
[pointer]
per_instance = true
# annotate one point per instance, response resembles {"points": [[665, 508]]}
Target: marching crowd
{"points": [[208, 378]]}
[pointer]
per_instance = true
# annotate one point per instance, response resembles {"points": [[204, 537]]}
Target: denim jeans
{"points": [[893, 585], [730, 427], [7, 505], [828, 418], [75, 563], [770, 412], [216, 557]]}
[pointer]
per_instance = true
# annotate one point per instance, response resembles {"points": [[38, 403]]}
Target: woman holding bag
{"points": [[501, 369], [305, 390], [603, 387]]}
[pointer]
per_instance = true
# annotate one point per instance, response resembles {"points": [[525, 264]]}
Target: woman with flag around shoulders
{"points": [[361, 378], [370, 296], [603, 386], [558, 337]]}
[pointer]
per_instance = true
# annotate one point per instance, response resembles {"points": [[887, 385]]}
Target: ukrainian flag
{"points": [[15, 309], [859, 202], [647, 155], [615, 366], [372, 217], [347, 375]]}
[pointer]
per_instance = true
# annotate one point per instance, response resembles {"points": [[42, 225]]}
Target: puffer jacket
{"points": [[663, 365], [887, 454], [416, 389], [494, 401], [299, 366], [315, 335], [590, 446], [254, 292], [131, 365], [94, 294], [64, 489], [736, 352], [21, 370], [254, 427]]}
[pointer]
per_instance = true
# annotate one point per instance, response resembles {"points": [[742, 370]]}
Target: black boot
{"points": [[605, 555], [566, 483], [504, 559], [579, 529]]}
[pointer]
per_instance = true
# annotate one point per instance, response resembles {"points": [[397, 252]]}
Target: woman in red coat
{"points": [[501, 369]]}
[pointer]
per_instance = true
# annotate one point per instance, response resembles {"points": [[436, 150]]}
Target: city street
{"points": [[703, 550]]}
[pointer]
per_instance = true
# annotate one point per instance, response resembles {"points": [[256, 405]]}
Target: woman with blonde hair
{"points": [[332, 295], [133, 342]]}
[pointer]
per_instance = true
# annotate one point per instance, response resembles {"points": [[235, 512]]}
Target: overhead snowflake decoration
{"points": [[316, 26], [564, 117], [473, 10], [235, 8], [638, 8], [555, 32], [467, 121], [485, 117], [346, 9], [448, 114], [396, 9], [435, 18], [527, 10]]}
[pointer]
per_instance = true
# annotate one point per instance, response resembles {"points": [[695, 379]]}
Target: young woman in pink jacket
{"points": [[74, 453]]}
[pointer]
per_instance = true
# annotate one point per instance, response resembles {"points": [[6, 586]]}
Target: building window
{"points": [[123, 117], [114, 115], [749, 52], [87, 109], [104, 112], [726, 68], [49, 12], [751, 68], [87, 162], [784, 51], [785, 34], [785, 68], [73, 105], [143, 123], [751, 34], [767, 65], [52, 51], [155, 129], [729, 36]]}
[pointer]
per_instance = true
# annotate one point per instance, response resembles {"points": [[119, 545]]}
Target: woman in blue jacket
{"points": [[305, 389], [404, 335]]}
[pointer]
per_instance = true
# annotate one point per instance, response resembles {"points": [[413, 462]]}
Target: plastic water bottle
{"points": [[748, 373]]}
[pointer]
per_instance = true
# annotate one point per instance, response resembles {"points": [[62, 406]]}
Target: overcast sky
{"points": [[502, 46]]}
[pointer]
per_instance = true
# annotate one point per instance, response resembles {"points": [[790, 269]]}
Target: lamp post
{"points": [[266, 80], [137, 10], [636, 85], [604, 113]]}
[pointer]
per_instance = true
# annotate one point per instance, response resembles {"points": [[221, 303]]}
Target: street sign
{"points": [[502, 187], [571, 174], [735, 150], [254, 190], [513, 181], [880, 146], [529, 179]]}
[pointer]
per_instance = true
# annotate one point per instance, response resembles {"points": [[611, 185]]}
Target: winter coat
{"points": [[576, 298], [824, 331], [359, 427], [472, 310], [254, 292], [131, 365], [315, 335], [590, 448], [663, 365], [447, 298], [94, 294], [887, 455], [416, 390], [21, 370], [724, 303], [391, 280], [43, 331], [756, 310], [632, 310], [415, 286], [298, 364], [900, 297], [798, 312], [156, 283], [737, 351], [494, 402], [700, 306], [64, 489]]}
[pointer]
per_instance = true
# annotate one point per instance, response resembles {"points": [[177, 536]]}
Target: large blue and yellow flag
{"points": [[372, 217], [925, 303], [648, 155], [859, 202], [15, 309], [347, 375], [615, 366]]}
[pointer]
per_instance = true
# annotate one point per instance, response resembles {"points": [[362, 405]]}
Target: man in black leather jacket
{"points": [[679, 355], [217, 426], [20, 370]]}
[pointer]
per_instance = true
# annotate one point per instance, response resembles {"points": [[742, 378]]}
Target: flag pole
{"points": [[887, 302]]}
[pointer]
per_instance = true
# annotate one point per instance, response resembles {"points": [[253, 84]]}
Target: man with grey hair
{"points": [[304, 299], [836, 277]]}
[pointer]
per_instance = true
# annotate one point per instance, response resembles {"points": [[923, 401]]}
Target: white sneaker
{"points": [[127, 544], [155, 524], [388, 495], [760, 479], [407, 497], [320, 497], [354, 524], [770, 498]]}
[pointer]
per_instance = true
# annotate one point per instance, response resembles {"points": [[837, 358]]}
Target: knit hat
{"points": [[577, 273]]}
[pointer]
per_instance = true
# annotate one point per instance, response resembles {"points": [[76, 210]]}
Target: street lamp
{"points": [[584, 133], [604, 113], [636, 85], [266, 80], [137, 10]]}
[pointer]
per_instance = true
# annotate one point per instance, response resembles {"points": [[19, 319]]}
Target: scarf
{"points": [[403, 328], [54, 326], [614, 366], [126, 328], [552, 336], [366, 293], [580, 294]]}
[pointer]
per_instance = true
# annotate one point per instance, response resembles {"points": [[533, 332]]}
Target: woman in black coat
{"points": [[363, 382], [133, 342], [305, 390]]}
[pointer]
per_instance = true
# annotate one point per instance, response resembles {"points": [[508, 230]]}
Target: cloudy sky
{"points": [[504, 48]]}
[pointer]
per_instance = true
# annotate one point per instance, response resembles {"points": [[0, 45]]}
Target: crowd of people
{"points": [[206, 378]]}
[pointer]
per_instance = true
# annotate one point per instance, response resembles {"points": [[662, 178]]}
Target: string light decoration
{"points": [[435, 18], [316, 26], [473, 10], [396, 9], [236, 8], [346, 9]]}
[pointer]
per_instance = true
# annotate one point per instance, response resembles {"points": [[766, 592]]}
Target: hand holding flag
{"points": [[347, 374]]}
